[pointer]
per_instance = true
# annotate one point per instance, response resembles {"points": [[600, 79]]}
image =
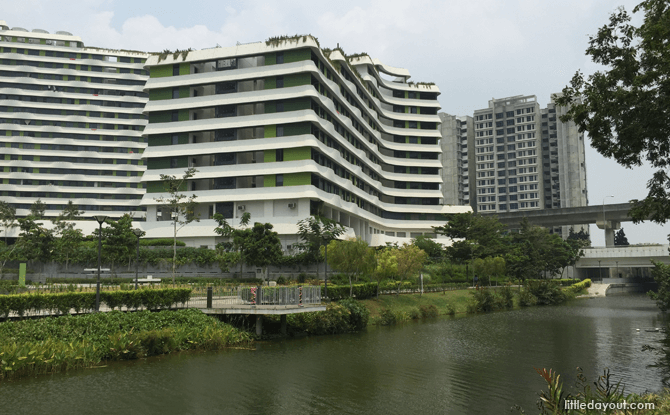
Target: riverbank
{"points": [[52, 345], [392, 309]]}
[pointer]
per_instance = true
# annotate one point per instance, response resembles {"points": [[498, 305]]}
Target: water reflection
{"points": [[475, 365]]}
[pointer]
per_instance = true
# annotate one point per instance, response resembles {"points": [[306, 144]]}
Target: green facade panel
{"points": [[297, 79], [270, 83], [270, 58], [297, 179], [184, 68], [160, 71], [184, 91], [269, 180], [159, 94], [183, 115], [269, 156], [297, 104], [269, 131], [160, 116], [155, 187], [296, 55], [300, 153], [297, 128], [158, 163]]}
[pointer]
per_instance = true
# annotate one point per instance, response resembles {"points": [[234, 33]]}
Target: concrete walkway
{"points": [[596, 290]]}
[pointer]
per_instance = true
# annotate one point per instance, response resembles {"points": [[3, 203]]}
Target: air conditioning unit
{"points": [[291, 205], [241, 207]]}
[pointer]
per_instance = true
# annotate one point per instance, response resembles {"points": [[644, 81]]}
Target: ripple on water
{"points": [[476, 365]]}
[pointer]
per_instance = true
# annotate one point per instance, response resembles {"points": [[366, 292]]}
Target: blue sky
{"points": [[473, 50]]}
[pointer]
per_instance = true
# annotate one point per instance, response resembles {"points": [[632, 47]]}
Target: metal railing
{"points": [[224, 296]]}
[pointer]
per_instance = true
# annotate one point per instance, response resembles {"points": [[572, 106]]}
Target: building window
{"points": [[175, 93], [280, 82], [280, 131], [174, 162], [175, 139], [175, 70], [280, 154], [225, 209], [279, 180], [175, 115], [280, 57], [279, 106]]}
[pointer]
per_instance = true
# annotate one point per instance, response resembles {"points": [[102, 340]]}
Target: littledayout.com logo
{"points": [[606, 406]]}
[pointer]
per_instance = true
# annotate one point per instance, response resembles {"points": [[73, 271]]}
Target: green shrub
{"points": [[505, 297], [82, 302], [483, 300], [428, 311], [526, 298], [360, 291], [547, 292], [450, 310], [575, 288], [414, 313], [160, 242], [359, 314], [387, 317], [336, 319], [55, 344]]}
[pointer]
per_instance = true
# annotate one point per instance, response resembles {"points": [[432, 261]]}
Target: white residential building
{"points": [[71, 124], [284, 129]]}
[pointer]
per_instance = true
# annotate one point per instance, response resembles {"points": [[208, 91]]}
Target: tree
{"points": [[353, 257], [35, 241], [227, 253], [580, 236], [259, 246], [37, 209], [529, 255], [7, 217], [625, 108], [118, 241], [387, 265], [435, 250], [481, 236], [316, 231], [7, 253], [620, 238], [180, 207], [410, 262], [68, 239]]}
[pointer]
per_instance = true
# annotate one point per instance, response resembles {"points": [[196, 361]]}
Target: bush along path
{"points": [[84, 302], [58, 344]]}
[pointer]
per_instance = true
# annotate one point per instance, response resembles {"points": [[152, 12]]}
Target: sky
{"points": [[474, 50]]}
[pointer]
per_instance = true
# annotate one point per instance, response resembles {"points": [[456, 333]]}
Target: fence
{"points": [[224, 296]]}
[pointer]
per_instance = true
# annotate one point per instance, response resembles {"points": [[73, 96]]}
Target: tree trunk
{"points": [[174, 252]]}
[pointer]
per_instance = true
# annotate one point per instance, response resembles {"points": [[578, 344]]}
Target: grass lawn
{"points": [[408, 302]]}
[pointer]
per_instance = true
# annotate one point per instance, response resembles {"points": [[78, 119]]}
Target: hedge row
{"points": [[575, 288], [369, 290], [63, 303], [563, 282]]}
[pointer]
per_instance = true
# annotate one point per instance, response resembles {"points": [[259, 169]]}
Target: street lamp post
{"points": [[604, 221], [138, 232], [101, 219]]}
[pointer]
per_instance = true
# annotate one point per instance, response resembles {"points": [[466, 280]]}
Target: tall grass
{"points": [[50, 345]]}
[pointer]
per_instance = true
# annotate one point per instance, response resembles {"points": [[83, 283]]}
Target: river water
{"points": [[473, 365]]}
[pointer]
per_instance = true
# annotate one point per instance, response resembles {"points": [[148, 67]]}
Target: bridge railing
{"points": [[226, 296]]}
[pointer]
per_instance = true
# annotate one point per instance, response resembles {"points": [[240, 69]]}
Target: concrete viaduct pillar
{"points": [[610, 227]]}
